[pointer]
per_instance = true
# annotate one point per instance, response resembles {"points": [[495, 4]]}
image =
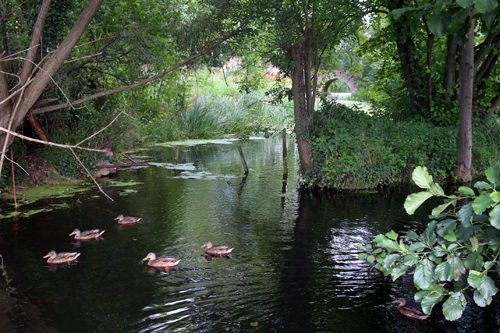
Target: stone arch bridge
{"points": [[327, 76]]}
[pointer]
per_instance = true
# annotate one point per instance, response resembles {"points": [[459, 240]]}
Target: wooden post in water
{"points": [[243, 160], [285, 166], [176, 154]]}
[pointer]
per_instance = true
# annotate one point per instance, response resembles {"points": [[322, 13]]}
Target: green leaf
{"points": [[488, 264], [487, 287], [415, 22], [482, 185], [466, 190], [370, 259], [423, 275], [383, 241], [465, 3], [390, 259], [495, 217], [429, 301], [411, 234], [464, 232], [438, 251], [400, 11], [410, 259], [474, 280], [474, 261], [443, 271], [465, 214], [492, 172], [481, 203], [439, 22], [392, 235], [454, 306], [486, 6], [436, 211], [445, 227], [495, 196], [422, 178], [398, 271], [413, 201], [377, 250], [361, 256], [480, 300], [450, 237], [457, 267], [417, 247]]}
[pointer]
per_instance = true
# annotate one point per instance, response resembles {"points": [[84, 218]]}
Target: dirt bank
{"points": [[20, 310]]}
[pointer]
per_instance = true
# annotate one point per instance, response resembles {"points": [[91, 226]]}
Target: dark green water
{"points": [[294, 267]]}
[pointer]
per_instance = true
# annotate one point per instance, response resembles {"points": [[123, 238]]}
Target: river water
{"points": [[294, 266]]}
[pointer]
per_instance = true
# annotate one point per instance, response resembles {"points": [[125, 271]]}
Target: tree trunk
{"points": [[449, 71], [300, 111], [467, 74]]}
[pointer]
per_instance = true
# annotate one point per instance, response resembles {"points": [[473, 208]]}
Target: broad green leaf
{"points": [[438, 251], [454, 306], [474, 243], [422, 178], [417, 247], [377, 250], [457, 267], [383, 241], [474, 280], [474, 261], [392, 235], [480, 300], [464, 232], [443, 271], [439, 22], [465, 3], [492, 172], [370, 259], [398, 271], [495, 217], [465, 214], [390, 259], [487, 287], [488, 264], [466, 190], [410, 259], [423, 275], [436, 189], [450, 237], [429, 236], [494, 241], [415, 22], [429, 301], [495, 196], [445, 227], [419, 295], [360, 246], [400, 11], [361, 256], [411, 234], [482, 185], [481, 203], [489, 18], [486, 6], [413, 201], [439, 209]]}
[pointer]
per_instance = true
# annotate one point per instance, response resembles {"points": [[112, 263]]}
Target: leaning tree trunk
{"points": [[300, 110], [467, 73]]}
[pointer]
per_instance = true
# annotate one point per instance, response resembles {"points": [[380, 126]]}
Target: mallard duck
{"points": [[61, 257], [410, 310], [87, 234], [127, 219], [196, 163], [217, 250], [161, 262]]}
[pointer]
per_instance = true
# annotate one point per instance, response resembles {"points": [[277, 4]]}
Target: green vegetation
{"points": [[455, 254]]}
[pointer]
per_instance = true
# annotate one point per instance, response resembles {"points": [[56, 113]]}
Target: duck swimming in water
{"points": [[161, 262], [410, 310], [61, 257], [87, 234], [127, 219], [217, 250]]}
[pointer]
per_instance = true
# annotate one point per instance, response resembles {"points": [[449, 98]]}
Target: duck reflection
{"points": [[152, 270], [54, 267], [79, 242], [209, 257]]}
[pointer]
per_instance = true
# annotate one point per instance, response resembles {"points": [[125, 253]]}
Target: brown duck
{"points": [[410, 310], [161, 262], [61, 257], [217, 250], [87, 234], [127, 219]]}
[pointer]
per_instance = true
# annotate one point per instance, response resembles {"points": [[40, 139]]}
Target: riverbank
{"points": [[20, 310]]}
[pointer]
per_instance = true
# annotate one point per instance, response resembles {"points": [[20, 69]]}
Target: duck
{"points": [[87, 234], [61, 257], [217, 250], [196, 163], [127, 219], [161, 262], [410, 310]]}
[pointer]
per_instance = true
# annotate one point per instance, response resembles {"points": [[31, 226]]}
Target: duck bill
{"points": [[46, 256], [71, 234], [396, 301], [145, 259], [203, 245]]}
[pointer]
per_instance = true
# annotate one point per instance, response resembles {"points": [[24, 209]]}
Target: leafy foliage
{"points": [[461, 244]]}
